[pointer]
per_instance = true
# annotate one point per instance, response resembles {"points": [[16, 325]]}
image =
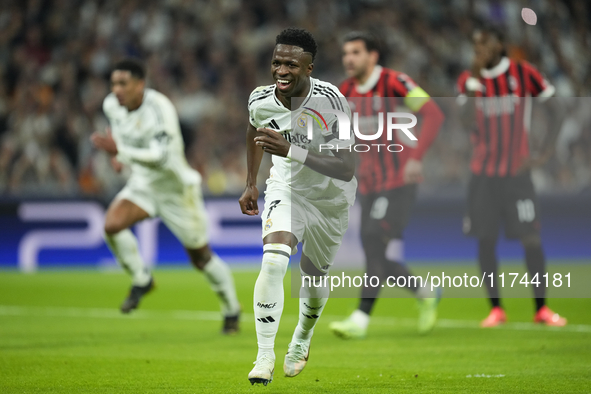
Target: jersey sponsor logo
{"points": [[298, 139], [498, 105], [266, 306]]}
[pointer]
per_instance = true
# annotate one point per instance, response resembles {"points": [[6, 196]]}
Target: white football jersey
{"points": [[266, 110], [149, 140]]}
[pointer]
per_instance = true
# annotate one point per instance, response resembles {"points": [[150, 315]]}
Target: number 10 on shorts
{"points": [[525, 210]]}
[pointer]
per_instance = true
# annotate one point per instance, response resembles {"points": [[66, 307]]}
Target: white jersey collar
{"points": [[145, 95], [371, 81], [497, 70]]}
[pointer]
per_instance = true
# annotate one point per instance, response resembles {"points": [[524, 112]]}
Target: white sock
{"points": [[220, 279], [123, 245], [268, 295], [360, 318], [312, 301], [425, 292]]}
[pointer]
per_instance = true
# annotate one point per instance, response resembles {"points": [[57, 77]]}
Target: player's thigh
{"points": [[324, 231], [129, 207], [484, 211], [184, 214], [281, 219], [520, 207], [386, 215]]}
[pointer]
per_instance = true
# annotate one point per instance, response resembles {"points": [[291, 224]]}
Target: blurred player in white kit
{"points": [[145, 134]]}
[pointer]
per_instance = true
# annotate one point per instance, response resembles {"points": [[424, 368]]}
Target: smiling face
{"points": [[128, 89], [291, 68]]}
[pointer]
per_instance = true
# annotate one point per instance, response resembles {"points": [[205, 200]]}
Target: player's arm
{"points": [[432, 118], [254, 155], [340, 166], [153, 155], [469, 86], [542, 90]]}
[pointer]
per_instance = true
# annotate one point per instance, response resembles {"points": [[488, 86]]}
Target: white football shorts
{"points": [[180, 207], [319, 226]]}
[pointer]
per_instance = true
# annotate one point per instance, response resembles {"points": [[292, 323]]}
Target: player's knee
{"points": [[531, 241], [308, 268], [275, 259], [113, 226], [373, 239], [272, 268], [200, 257]]}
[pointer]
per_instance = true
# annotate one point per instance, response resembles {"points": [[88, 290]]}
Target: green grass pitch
{"points": [[61, 332]]}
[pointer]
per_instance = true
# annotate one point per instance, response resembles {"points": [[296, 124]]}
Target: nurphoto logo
{"points": [[345, 129]]}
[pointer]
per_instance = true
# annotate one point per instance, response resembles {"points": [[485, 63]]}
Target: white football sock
{"points": [[220, 279], [425, 292], [313, 298], [268, 295], [360, 318], [123, 245]]}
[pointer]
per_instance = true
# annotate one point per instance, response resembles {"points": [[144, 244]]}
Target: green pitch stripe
{"points": [[104, 313]]}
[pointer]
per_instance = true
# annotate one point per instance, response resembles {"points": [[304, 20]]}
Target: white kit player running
{"points": [[308, 193], [145, 134]]}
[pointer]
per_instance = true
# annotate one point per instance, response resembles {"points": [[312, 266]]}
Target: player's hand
{"points": [[104, 142], [272, 142], [116, 164], [249, 201], [534, 161], [413, 171]]}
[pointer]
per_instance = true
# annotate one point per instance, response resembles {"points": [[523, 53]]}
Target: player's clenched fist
{"points": [[272, 142], [249, 201], [104, 142]]}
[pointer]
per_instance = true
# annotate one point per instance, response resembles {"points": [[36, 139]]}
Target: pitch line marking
{"points": [[108, 313]]}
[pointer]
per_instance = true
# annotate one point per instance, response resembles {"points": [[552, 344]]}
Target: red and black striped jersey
{"points": [[380, 170], [500, 136]]}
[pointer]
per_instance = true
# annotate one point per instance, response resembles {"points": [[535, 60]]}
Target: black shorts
{"points": [[493, 201], [386, 214]]}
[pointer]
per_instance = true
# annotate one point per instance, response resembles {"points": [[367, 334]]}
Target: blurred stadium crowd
{"points": [[207, 56]]}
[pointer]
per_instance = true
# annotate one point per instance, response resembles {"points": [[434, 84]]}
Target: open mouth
{"points": [[283, 84]]}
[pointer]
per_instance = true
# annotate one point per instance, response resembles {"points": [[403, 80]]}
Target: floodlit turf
{"points": [[61, 332]]}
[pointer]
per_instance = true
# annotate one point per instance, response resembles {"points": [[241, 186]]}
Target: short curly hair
{"points": [[299, 38], [133, 65]]}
